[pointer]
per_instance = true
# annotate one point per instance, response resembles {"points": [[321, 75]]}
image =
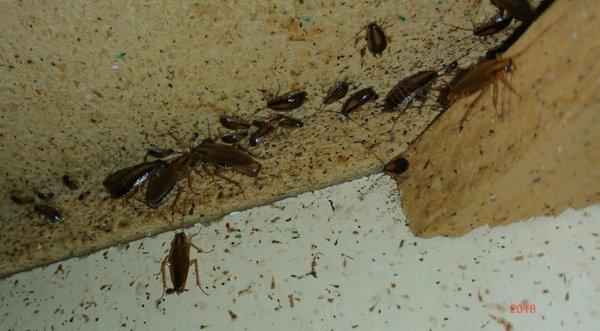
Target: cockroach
{"points": [[402, 95], [83, 195], [376, 39], [227, 157], [336, 92], [478, 78], [162, 184], [179, 263], [70, 182], [519, 9], [44, 195], [450, 67], [495, 25], [290, 122], [396, 166], [159, 153], [266, 127], [264, 122], [20, 199], [234, 137], [258, 136], [279, 120], [48, 212], [125, 181], [287, 101], [234, 123], [358, 99]]}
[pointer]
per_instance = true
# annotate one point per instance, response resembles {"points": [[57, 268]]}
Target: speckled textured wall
{"points": [[86, 87], [371, 273]]}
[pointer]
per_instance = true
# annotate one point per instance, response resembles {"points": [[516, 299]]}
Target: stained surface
{"points": [[534, 152], [371, 273], [87, 87]]}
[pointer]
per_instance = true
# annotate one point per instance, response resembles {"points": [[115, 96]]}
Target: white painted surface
{"points": [[372, 273]]}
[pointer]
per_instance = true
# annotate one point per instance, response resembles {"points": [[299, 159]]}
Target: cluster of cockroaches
{"points": [[44, 208], [162, 174]]}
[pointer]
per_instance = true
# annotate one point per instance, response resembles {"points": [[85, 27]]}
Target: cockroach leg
{"points": [[174, 205], [195, 263], [209, 170], [508, 85], [495, 95], [218, 172], [178, 141], [189, 181], [470, 108], [358, 35], [419, 108], [164, 279], [198, 248]]}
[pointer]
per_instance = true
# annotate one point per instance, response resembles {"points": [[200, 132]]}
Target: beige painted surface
{"points": [[541, 158], [87, 86], [371, 273]]}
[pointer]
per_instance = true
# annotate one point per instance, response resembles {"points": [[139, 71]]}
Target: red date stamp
{"points": [[523, 308]]}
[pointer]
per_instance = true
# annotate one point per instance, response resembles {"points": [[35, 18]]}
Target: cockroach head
{"points": [[509, 65], [180, 238], [177, 290]]}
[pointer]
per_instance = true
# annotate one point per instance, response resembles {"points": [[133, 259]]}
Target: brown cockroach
{"points": [[221, 156], [495, 51], [286, 102], [495, 25], [519, 9], [258, 136], [44, 195], [162, 184], [402, 95], [234, 137], [376, 39], [227, 157], [125, 181], [264, 122], [415, 86], [290, 122], [21, 199], [358, 99], [179, 263], [234, 123], [83, 195], [159, 153], [396, 166], [287, 122], [44, 209], [336, 92], [48, 212], [480, 76], [70, 182], [266, 127]]}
